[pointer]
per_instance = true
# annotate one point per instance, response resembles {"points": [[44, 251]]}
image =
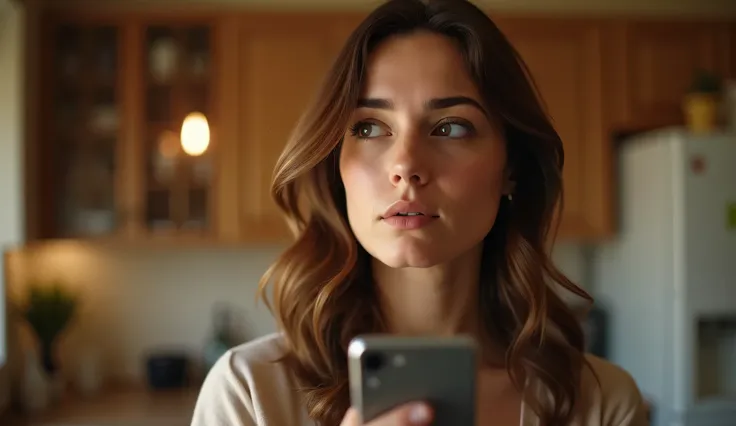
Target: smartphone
{"points": [[386, 371]]}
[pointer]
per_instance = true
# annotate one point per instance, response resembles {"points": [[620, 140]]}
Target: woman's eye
{"points": [[451, 130], [366, 130]]}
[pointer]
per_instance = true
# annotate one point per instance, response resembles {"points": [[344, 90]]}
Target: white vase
{"points": [[89, 373], [34, 386], [163, 57]]}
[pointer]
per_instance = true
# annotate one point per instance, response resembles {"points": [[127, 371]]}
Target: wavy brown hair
{"points": [[323, 294]]}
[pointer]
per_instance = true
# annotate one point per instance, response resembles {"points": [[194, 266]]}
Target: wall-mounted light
{"points": [[195, 134]]}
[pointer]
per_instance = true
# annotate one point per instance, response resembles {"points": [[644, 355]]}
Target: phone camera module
{"points": [[374, 362]]}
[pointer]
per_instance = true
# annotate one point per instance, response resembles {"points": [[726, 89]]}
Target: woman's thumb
{"points": [[413, 414]]}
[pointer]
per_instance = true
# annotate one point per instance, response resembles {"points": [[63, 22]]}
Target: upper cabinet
{"points": [[127, 145], [167, 126], [178, 127], [283, 60], [565, 61], [661, 59], [598, 77], [79, 124]]}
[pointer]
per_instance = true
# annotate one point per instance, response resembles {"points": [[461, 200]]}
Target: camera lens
{"points": [[373, 362]]}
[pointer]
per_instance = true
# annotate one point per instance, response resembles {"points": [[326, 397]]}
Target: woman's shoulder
{"points": [[610, 394], [251, 362], [248, 386], [259, 351]]}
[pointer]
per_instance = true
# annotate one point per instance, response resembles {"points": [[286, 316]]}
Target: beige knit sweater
{"points": [[245, 388]]}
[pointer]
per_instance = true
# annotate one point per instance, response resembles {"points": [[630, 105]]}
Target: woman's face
{"points": [[423, 165]]}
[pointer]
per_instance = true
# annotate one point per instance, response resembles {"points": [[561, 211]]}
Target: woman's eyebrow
{"points": [[432, 104]]}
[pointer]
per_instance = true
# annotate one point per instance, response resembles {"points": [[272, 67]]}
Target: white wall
{"points": [[141, 300], [138, 300], [10, 155]]}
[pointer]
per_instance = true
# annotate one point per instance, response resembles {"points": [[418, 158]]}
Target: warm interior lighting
{"points": [[168, 145], [195, 134]]}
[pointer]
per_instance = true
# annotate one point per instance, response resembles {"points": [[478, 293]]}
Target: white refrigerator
{"points": [[668, 278]]}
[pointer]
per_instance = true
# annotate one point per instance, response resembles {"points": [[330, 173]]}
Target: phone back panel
{"points": [[440, 371]]}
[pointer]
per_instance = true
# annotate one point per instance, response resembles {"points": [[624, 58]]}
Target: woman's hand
{"points": [[413, 414]]}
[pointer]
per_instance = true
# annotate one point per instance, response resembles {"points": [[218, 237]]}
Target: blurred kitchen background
{"points": [[137, 140]]}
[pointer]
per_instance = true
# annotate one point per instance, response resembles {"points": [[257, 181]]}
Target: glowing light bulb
{"points": [[195, 134]]}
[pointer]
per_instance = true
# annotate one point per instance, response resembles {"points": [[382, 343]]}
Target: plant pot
{"points": [[701, 112], [34, 393]]}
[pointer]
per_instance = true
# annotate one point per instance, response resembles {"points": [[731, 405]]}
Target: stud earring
{"points": [[510, 197]]}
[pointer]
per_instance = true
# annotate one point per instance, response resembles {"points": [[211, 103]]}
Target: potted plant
{"points": [[48, 310], [702, 101]]}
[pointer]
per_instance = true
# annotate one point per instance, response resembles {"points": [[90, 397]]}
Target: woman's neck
{"points": [[441, 300]]}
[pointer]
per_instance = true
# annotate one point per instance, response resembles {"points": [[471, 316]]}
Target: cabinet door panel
{"points": [[565, 61], [79, 130], [662, 59], [282, 63]]}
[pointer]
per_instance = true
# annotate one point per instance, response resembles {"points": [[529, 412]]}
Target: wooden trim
{"points": [[731, 46], [226, 185], [43, 168], [30, 154], [194, 8], [130, 178]]}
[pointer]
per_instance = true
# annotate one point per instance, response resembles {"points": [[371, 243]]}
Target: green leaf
{"points": [[705, 82], [49, 309]]}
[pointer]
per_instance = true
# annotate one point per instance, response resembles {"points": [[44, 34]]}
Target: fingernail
{"points": [[419, 414]]}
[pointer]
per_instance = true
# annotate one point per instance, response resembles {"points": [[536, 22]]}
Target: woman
{"points": [[422, 185]]}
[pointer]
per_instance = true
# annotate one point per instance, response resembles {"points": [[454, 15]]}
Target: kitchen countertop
{"points": [[124, 407]]}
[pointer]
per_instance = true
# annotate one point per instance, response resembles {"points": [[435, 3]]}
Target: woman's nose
{"points": [[408, 163]]}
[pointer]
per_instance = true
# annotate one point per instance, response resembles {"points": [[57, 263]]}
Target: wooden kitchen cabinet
{"points": [[252, 75], [283, 60], [108, 141], [598, 77], [81, 98], [114, 90], [564, 57], [565, 61], [177, 190], [660, 61]]}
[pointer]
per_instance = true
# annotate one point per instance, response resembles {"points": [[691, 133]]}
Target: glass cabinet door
{"points": [[178, 128], [79, 140]]}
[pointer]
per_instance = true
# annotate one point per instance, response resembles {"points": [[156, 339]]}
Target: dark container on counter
{"points": [[167, 370], [595, 327]]}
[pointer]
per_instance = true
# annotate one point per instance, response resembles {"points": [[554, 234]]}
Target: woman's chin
{"points": [[408, 257]]}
